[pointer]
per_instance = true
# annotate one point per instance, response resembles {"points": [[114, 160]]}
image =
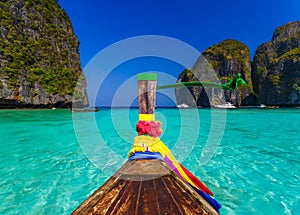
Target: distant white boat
{"points": [[262, 106], [182, 105], [226, 105]]}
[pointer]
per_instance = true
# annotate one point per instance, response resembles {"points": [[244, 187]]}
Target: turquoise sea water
{"points": [[250, 158]]}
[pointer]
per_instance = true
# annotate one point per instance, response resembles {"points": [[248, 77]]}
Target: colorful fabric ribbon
{"points": [[151, 144]]}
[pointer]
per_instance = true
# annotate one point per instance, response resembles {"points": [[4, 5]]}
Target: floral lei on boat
{"points": [[151, 128]]}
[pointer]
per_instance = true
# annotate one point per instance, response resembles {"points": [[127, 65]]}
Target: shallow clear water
{"points": [[248, 157]]}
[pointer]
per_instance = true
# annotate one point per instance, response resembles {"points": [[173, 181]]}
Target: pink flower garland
{"points": [[151, 128]]}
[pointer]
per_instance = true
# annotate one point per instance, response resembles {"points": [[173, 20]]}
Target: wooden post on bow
{"points": [[147, 96]]}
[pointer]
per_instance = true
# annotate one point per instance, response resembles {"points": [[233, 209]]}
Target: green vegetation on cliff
{"points": [[228, 58], [229, 48], [291, 54], [37, 44]]}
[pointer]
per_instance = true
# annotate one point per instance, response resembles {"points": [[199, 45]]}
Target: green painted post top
{"points": [[147, 77]]}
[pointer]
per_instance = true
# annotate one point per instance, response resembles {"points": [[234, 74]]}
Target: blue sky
{"points": [[100, 23]]}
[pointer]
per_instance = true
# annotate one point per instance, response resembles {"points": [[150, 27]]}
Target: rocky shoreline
{"points": [[40, 64]]}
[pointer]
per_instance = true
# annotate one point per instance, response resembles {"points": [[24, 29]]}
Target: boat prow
{"points": [[145, 186]]}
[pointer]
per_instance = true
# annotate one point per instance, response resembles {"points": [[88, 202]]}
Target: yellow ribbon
{"points": [[147, 117], [150, 144]]}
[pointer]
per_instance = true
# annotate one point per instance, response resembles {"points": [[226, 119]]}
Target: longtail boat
{"points": [[152, 181]]}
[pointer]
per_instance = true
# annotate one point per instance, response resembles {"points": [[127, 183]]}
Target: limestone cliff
{"points": [[39, 59], [218, 63], [276, 67]]}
